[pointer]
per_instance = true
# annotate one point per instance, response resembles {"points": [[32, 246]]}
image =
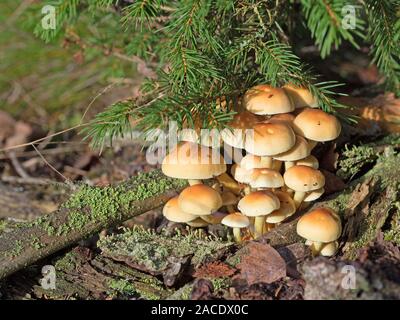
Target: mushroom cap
{"points": [[269, 139], [320, 225], [228, 198], [234, 136], [259, 203], [236, 220], [173, 213], [303, 178], [301, 97], [317, 125], [200, 200], [300, 150], [314, 195], [250, 161], [266, 178], [286, 209], [241, 175], [309, 161], [197, 223], [192, 161], [265, 99], [329, 249], [214, 218]]}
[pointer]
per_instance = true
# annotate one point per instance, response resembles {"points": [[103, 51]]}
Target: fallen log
{"points": [[86, 212]]}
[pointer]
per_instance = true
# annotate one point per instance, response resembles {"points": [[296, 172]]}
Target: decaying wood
{"points": [[33, 241]]}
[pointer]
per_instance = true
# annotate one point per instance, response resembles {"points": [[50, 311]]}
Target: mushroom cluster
{"points": [[276, 130]]}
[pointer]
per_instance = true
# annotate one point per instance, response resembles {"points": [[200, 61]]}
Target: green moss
{"points": [[3, 225], [66, 263], [153, 250], [354, 159], [221, 283], [393, 234], [36, 243], [16, 251], [121, 286]]}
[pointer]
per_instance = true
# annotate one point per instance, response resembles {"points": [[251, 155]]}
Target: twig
{"points": [[17, 166]]}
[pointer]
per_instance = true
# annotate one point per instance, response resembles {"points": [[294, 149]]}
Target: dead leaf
{"points": [[214, 269], [329, 159], [175, 270], [202, 290], [332, 182], [260, 263]]}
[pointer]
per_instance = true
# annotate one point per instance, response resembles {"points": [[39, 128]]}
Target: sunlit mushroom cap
{"points": [[317, 125], [303, 178], [267, 100], [286, 209], [266, 178], [301, 97], [236, 220], [235, 135], [299, 151], [314, 195], [259, 203], [199, 200], [320, 225], [309, 161], [192, 161], [250, 161], [241, 175], [329, 249], [173, 213], [269, 139]]}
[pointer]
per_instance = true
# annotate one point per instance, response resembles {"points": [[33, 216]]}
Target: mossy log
{"points": [[87, 211]]}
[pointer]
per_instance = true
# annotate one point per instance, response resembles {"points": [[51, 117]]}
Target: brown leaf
{"points": [[214, 269], [202, 290], [176, 269], [260, 263]]}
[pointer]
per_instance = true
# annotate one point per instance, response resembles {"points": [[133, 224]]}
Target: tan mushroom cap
{"points": [[309, 161], [269, 139], [197, 223], [173, 213], [266, 178], [214, 218], [228, 198], [320, 225], [329, 249], [314, 195], [200, 200], [303, 178], [317, 125], [299, 151], [192, 161], [286, 209], [235, 135], [236, 220], [265, 99], [301, 97], [250, 161], [259, 203], [241, 175]]}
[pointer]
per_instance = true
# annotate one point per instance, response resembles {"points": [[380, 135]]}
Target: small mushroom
{"points": [[286, 209], [316, 125], [200, 200], [329, 249], [229, 200], [267, 100], [242, 176], [320, 226], [265, 178], [214, 218], [303, 179], [309, 161], [258, 204], [174, 213], [269, 139], [197, 223], [301, 97], [236, 221], [300, 150], [193, 162]]}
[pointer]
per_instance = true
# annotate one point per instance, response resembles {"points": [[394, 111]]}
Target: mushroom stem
{"points": [[298, 198], [237, 235], [316, 248], [267, 161], [259, 226], [289, 164], [247, 190], [192, 182]]}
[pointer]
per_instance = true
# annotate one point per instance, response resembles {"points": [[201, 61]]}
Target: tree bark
{"points": [[30, 242]]}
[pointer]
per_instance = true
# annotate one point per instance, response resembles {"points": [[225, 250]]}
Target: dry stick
{"points": [[29, 243]]}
